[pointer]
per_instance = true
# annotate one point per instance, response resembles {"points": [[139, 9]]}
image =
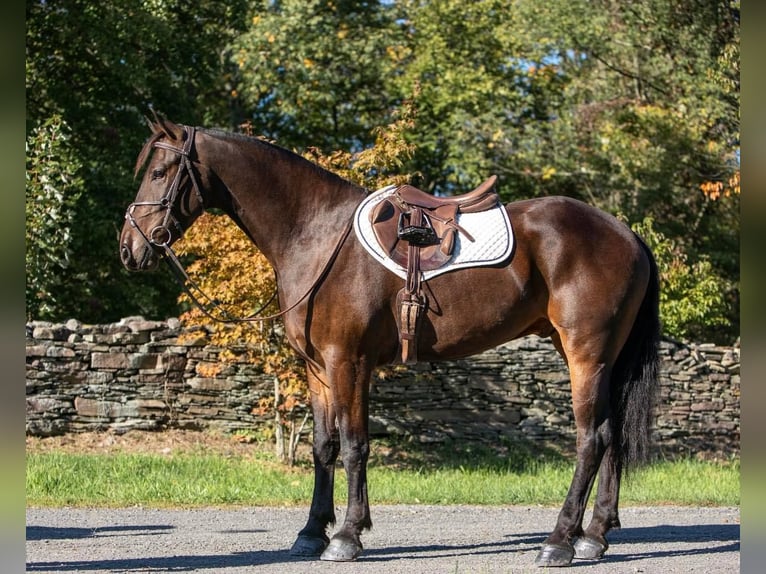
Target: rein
{"points": [[188, 284], [160, 236]]}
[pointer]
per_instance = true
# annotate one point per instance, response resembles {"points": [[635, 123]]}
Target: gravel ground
{"points": [[405, 539]]}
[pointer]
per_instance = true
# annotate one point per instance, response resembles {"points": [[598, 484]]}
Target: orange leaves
{"points": [[231, 271], [226, 265], [209, 369], [716, 189], [712, 189]]}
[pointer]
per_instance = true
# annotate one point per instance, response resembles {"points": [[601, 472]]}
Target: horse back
{"points": [[569, 262], [572, 265]]}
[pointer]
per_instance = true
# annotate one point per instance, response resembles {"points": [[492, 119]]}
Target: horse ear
{"points": [[161, 125], [172, 130], [155, 122]]}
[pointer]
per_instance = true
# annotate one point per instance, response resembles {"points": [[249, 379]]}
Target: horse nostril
{"points": [[126, 256]]}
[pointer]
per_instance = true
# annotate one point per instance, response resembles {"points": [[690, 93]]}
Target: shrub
{"points": [[693, 298]]}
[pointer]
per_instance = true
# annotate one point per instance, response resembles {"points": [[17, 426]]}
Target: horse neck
{"points": [[293, 210]]}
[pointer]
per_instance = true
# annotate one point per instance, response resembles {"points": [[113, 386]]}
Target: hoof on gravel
{"points": [[308, 546], [341, 550], [587, 548], [555, 555]]}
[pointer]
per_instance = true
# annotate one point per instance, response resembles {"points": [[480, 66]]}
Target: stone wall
{"points": [[137, 374]]}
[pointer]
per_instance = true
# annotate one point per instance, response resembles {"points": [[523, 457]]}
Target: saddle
{"points": [[419, 231]]}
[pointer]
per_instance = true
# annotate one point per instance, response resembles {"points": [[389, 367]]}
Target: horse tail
{"points": [[636, 377]]}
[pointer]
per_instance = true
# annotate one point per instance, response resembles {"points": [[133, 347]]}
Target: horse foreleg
{"points": [[351, 382], [590, 399], [313, 539]]}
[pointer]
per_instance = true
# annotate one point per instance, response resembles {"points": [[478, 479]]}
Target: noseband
{"points": [[160, 236]]}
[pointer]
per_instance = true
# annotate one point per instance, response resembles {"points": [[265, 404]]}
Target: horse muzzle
{"points": [[142, 258]]}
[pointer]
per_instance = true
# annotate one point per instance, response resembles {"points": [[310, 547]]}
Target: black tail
{"points": [[636, 377]]}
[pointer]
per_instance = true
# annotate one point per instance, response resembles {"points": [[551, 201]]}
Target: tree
{"points": [[314, 72], [633, 107], [693, 297], [641, 118], [100, 66], [53, 188], [457, 64]]}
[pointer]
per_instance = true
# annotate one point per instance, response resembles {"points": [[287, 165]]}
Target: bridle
{"points": [[160, 236]]}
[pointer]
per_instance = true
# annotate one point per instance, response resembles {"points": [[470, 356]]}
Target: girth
{"points": [[419, 232]]}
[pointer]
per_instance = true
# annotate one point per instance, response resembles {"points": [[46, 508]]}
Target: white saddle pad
{"points": [[490, 229]]}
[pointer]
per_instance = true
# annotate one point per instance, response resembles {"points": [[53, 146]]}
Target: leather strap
{"points": [[411, 299]]}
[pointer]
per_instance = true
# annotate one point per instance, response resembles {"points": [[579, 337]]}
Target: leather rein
{"points": [[160, 236]]}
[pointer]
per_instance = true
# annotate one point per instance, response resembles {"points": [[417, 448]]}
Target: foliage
{"points": [[54, 185], [227, 266], [100, 66], [380, 164], [313, 72], [632, 107], [645, 114], [457, 66], [692, 295]]}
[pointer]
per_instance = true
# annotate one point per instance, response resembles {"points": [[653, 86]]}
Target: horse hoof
{"points": [[308, 546], [555, 555], [587, 548], [341, 550]]}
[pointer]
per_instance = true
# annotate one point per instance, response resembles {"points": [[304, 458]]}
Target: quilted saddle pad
{"points": [[491, 230]]}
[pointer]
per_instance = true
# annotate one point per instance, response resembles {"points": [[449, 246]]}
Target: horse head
{"points": [[169, 199]]}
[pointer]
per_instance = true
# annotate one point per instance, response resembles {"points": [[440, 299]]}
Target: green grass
{"points": [[202, 479]]}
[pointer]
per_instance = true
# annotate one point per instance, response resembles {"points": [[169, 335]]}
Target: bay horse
{"points": [[577, 275]]}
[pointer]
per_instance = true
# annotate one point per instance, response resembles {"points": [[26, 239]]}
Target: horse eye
{"points": [[158, 173]]}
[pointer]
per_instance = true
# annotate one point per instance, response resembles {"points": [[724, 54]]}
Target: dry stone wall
{"points": [[138, 374]]}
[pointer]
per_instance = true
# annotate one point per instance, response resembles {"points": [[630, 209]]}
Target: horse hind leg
{"points": [[632, 395], [592, 544], [590, 398]]}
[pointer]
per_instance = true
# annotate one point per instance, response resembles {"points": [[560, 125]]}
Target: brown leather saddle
{"points": [[419, 232]]}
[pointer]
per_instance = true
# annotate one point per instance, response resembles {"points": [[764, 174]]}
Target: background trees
{"points": [[633, 107], [98, 67], [316, 72]]}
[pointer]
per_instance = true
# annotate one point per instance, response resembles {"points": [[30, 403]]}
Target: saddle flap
{"points": [[385, 218]]}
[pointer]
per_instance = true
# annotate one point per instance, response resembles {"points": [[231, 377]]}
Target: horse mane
{"points": [[223, 134], [226, 135], [260, 140], [276, 148]]}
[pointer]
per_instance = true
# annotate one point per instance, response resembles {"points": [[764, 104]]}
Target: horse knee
{"points": [[326, 449]]}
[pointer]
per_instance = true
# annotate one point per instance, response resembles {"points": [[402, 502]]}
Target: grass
{"points": [[452, 474]]}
